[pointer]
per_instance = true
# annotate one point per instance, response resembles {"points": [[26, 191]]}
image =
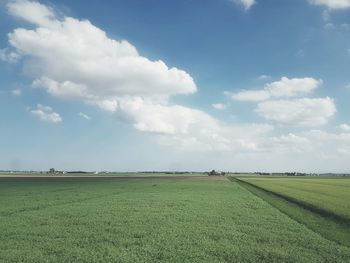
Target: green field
{"points": [[99, 174], [330, 195], [320, 203], [150, 220]]}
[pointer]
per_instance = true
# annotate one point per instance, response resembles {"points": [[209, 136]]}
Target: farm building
{"points": [[216, 173]]}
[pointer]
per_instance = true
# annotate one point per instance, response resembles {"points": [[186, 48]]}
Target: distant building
{"points": [[53, 171], [216, 173]]}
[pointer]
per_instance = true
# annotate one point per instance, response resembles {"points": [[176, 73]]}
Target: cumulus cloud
{"points": [[332, 4], [276, 102], [284, 88], [31, 11], [72, 58], [187, 128], [46, 114], [9, 56], [298, 112], [84, 116], [219, 106]]}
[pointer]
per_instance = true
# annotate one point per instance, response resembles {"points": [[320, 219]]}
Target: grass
{"points": [[308, 201], [325, 195], [150, 220]]}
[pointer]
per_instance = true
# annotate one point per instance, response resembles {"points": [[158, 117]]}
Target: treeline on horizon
{"points": [[170, 172]]}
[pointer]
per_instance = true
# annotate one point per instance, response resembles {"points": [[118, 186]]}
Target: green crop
{"points": [[150, 220]]}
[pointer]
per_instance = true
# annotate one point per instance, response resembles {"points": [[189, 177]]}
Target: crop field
{"points": [[326, 197], [195, 219], [100, 174], [330, 195]]}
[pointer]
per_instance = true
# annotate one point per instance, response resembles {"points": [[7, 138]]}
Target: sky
{"points": [[131, 85]]}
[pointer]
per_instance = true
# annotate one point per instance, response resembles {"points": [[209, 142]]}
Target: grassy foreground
{"points": [[149, 220]]}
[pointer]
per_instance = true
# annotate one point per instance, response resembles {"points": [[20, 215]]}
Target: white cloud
{"points": [[247, 4], [284, 88], [219, 106], [216, 136], [332, 4], [46, 114], [75, 60], [344, 127], [311, 146], [298, 112], [292, 87], [288, 144], [9, 56], [163, 118], [72, 58], [334, 143], [31, 11], [16, 92], [84, 116]]}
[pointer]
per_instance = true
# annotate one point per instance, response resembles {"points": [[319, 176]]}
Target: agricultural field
{"points": [[331, 195], [320, 203], [203, 219]]}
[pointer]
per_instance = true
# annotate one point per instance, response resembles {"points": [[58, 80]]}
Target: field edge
{"points": [[326, 225]]}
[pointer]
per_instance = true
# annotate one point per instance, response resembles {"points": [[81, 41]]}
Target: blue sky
{"points": [[175, 85]]}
